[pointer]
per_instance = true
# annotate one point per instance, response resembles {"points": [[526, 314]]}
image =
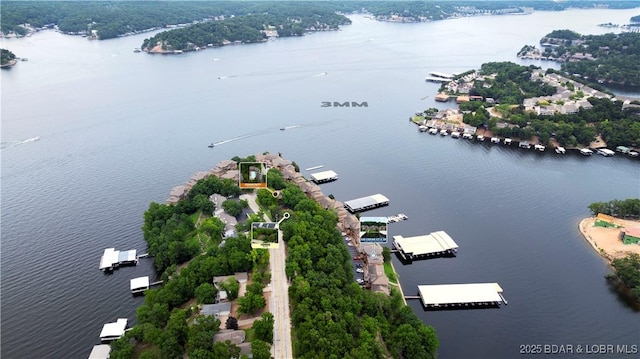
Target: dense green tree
{"points": [[206, 293], [263, 327], [231, 286], [233, 207], [260, 349], [225, 350], [628, 270]]}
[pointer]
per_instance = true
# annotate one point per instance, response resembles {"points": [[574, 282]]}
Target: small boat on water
{"points": [[443, 132], [211, 145], [560, 150], [137, 50]]}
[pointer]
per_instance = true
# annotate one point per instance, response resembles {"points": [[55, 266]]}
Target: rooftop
{"points": [[324, 176], [439, 294], [426, 244], [114, 330], [101, 351], [363, 203]]}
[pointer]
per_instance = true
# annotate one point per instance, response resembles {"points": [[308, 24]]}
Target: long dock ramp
{"points": [[461, 295]]}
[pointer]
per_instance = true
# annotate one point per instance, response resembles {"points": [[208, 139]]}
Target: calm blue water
{"points": [[118, 129]]}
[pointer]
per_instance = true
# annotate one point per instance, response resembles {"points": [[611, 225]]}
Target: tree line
{"points": [[115, 18], [628, 271], [627, 208], [332, 316], [248, 28]]}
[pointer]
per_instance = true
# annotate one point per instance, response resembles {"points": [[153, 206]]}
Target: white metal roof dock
{"points": [[436, 243], [472, 294], [113, 331], [139, 284], [112, 258], [366, 203], [101, 351], [324, 176]]}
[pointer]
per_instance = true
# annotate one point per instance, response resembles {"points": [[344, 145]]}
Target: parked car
{"points": [[360, 280], [359, 270]]}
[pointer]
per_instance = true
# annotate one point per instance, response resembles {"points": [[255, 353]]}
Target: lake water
{"points": [[118, 129]]}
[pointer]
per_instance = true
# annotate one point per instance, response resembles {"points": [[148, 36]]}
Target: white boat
{"points": [[560, 150], [540, 148], [467, 136], [433, 131], [633, 153], [423, 128], [507, 141], [524, 144], [443, 132], [605, 152], [455, 134], [480, 138], [495, 140], [586, 151]]}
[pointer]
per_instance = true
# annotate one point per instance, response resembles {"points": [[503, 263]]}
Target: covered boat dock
{"points": [[324, 176], [461, 295], [112, 259], [366, 203], [434, 244], [113, 331]]}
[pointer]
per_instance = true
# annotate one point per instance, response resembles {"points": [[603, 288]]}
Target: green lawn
{"points": [[388, 270]]}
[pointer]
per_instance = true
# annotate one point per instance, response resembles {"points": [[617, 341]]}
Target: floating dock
{"points": [[101, 351], [366, 203], [113, 259], [461, 295], [436, 79], [324, 176], [434, 244], [113, 331], [440, 75]]}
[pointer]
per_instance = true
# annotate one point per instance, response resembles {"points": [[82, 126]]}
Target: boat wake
{"points": [[236, 139], [14, 144], [320, 74]]}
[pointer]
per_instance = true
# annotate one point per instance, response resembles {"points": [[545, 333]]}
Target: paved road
{"points": [[279, 301], [279, 304]]}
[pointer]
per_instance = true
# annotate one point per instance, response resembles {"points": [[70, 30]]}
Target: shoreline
{"points": [[398, 285], [605, 241]]}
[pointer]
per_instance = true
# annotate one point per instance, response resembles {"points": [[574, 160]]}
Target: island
{"points": [[614, 233], [7, 58], [217, 288]]}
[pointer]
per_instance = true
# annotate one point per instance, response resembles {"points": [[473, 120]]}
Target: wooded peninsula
{"points": [[526, 102], [332, 316]]}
